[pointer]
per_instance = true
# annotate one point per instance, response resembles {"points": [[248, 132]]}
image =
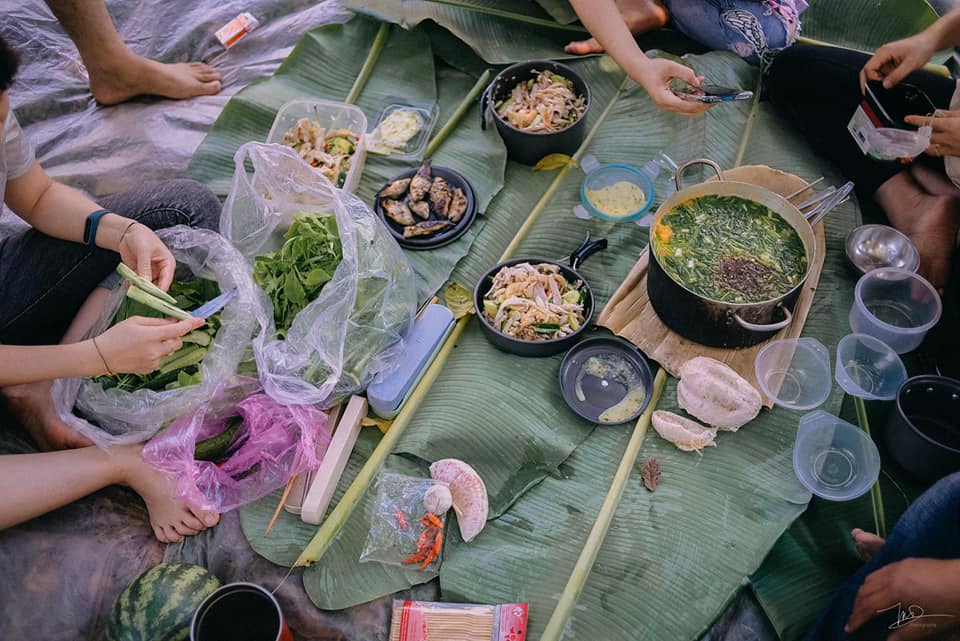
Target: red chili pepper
{"points": [[401, 519], [434, 551], [431, 520]]}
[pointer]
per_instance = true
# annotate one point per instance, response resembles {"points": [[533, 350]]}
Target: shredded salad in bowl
{"points": [[534, 302]]}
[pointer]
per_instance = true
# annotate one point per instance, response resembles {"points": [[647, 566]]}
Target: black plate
{"points": [[602, 393], [446, 236]]}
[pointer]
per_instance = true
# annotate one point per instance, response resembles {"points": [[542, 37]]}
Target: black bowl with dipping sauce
{"points": [[547, 347], [923, 433], [529, 147], [444, 236], [606, 380]]}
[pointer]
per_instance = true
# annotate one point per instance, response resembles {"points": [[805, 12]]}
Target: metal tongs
{"points": [[815, 208]]}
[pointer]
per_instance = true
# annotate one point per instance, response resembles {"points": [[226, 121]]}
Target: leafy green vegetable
{"points": [[294, 275], [181, 368], [730, 249]]}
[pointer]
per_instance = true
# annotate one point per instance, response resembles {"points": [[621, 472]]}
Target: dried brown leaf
{"points": [[650, 472]]}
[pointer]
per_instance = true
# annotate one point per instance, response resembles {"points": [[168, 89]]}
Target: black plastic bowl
{"points": [[523, 146], [441, 238], [923, 433]]}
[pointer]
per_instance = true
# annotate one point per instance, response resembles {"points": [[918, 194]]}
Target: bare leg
{"points": [[31, 404], [932, 181], [34, 484], [932, 222], [116, 73], [867, 544], [640, 15]]}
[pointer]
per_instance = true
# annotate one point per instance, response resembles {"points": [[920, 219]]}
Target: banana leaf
{"points": [[325, 64], [499, 31], [865, 24], [559, 10]]}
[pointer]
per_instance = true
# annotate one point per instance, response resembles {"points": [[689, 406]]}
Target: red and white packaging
{"points": [[434, 621]]}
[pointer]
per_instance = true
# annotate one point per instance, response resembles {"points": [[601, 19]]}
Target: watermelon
{"points": [[159, 604]]}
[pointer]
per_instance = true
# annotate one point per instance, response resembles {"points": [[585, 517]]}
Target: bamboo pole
{"points": [[383, 33], [588, 556], [454, 120], [876, 494]]}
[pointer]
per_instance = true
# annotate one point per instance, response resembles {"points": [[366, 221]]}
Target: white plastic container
{"points": [[330, 115]]}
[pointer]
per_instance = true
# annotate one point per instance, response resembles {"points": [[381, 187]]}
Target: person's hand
{"points": [[655, 75], [945, 139], [923, 594], [138, 344], [894, 61], [143, 251]]}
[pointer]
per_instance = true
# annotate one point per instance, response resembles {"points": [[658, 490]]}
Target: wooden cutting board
{"points": [[629, 313]]}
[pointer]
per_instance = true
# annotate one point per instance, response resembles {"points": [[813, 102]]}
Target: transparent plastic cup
{"points": [[795, 372], [331, 115], [868, 368], [895, 305], [834, 459]]}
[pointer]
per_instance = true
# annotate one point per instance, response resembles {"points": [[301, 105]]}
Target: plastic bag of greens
{"points": [[111, 414], [238, 447], [341, 288]]}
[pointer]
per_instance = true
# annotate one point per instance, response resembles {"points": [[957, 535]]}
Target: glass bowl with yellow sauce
{"points": [[618, 193]]}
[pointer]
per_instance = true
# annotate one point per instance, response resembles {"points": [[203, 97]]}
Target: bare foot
{"points": [[640, 15], [931, 222], [867, 544], [32, 406], [134, 75], [170, 519]]}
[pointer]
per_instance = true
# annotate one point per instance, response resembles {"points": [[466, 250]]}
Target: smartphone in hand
{"points": [[709, 93]]}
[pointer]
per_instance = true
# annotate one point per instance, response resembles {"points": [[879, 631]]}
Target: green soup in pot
{"points": [[729, 249]]}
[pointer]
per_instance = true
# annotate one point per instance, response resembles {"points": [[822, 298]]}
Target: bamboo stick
{"points": [[332, 525], [588, 556], [372, 57], [461, 109], [283, 500], [749, 127], [876, 494]]}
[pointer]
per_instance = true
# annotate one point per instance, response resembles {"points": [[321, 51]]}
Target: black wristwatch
{"points": [[90, 227]]}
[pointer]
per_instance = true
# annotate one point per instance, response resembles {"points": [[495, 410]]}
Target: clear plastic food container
{"points": [[895, 305], [833, 459], [411, 149], [330, 115]]}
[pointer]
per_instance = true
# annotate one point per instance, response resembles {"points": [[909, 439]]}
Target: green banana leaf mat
{"points": [[673, 558]]}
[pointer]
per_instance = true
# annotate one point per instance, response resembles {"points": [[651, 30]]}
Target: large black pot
{"points": [[719, 323], [523, 146], [923, 433], [545, 347]]}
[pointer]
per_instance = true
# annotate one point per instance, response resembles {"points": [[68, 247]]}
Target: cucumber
{"points": [[214, 447]]}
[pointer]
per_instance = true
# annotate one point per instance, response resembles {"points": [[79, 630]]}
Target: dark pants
{"points": [[817, 89], [930, 529], [44, 280]]}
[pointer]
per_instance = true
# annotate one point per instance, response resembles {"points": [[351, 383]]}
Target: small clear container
{"points": [[888, 143], [868, 368], [795, 372], [601, 176], [330, 115], [834, 459], [412, 149], [895, 305]]}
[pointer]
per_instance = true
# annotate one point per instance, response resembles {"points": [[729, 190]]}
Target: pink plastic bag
{"points": [[273, 443]]}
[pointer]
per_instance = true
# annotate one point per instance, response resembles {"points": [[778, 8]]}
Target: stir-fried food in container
{"points": [[329, 151], [546, 103], [534, 302]]}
